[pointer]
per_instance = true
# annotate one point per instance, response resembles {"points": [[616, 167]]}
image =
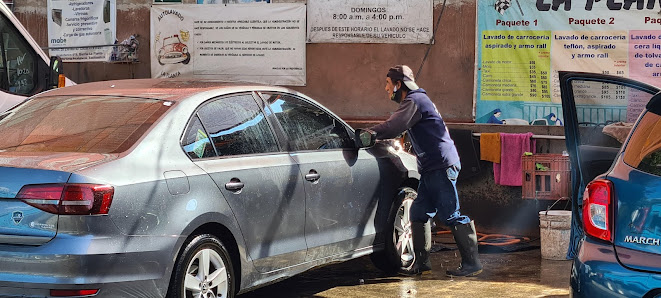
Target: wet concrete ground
{"points": [[517, 274]]}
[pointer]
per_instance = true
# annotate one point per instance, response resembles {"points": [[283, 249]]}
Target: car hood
{"points": [[56, 161]]}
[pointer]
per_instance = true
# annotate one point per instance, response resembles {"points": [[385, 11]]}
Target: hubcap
{"points": [[402, 237], [206, 276]]}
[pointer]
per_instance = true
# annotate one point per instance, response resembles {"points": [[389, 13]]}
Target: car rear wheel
{"points": [[398, 254], [203, 269]]}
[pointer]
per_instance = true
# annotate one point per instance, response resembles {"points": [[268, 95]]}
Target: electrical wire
{"points": [[431, 42]]}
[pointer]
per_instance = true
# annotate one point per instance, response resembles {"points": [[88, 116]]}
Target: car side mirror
{"points": [[365, 138], [55, 78]]}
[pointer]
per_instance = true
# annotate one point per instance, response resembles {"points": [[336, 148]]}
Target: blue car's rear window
{"points": [[644, 148], [94, 124]]}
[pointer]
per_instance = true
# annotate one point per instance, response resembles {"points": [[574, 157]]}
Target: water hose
{"points": [[493, 239]]}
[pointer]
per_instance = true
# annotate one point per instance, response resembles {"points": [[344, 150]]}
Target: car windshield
{"points": [[94, 124]]}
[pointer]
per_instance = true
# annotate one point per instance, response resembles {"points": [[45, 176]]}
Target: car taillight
{"points": [[72, 293], [597, 209], [68, 199]]}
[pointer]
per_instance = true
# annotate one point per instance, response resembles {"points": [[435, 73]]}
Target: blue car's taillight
{"points": [[597, 209]]}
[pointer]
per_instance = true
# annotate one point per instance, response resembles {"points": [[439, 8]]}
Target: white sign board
{"points": [[81, 23], [375, 21], [233, 43]]}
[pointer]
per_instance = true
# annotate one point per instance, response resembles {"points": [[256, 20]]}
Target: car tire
{"points": [[219, 280], [396, 257], [187, 59]]}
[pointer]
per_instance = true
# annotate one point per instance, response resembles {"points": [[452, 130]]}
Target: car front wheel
{"points": [[398, 255], [203, 269]]}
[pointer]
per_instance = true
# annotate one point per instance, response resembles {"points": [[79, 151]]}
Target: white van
{"points": [[25, 69]]}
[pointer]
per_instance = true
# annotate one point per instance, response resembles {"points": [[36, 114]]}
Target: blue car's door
{"points": [[636, 180], [599, 110]]}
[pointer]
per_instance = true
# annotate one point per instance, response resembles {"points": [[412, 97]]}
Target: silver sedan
{"points": [[148, 188]]}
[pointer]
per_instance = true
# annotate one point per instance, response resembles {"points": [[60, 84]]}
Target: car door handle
{"points": [[234, 185], [312, 176]]}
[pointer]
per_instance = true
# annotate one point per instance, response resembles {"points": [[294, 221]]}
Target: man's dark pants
{"points": [[437, 195]]}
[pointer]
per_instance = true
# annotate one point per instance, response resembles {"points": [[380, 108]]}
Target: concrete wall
{"points": [[347, 78]]}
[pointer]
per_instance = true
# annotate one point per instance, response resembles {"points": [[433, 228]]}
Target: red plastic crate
{"points": [[553, 183]]}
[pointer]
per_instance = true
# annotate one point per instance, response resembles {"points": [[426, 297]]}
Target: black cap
{"points": [[403, 73]]}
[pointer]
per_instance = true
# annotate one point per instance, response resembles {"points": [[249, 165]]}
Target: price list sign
{"points": [[523, 76], [521, 46], [603, 103]]}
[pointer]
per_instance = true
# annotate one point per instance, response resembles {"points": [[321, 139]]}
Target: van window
{"points": [[18, 61]]}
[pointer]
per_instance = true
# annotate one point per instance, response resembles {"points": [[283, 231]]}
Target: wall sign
{"points": [[377, 21], [242, 42], [83, 24], [521, 46]]}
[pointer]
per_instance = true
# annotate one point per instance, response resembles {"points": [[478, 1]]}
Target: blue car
{"points": [[613, 130]]}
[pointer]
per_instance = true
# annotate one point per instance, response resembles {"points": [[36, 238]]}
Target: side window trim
{"points": [[283, 139], [286, 139], [183, 136], [206, 132], [278, 134]]}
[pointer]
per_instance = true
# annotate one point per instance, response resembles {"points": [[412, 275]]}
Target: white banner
{"points": [[233, 43], [81, 23], [375, 21]]}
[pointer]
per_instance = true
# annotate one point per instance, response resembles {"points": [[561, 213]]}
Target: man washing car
{"points": [[439, 166]]}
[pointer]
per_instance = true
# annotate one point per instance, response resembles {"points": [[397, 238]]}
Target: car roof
{"points": [[162, 89], [654, 105]]}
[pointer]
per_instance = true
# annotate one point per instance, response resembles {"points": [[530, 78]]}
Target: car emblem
{"points": [[642, 240], [17, 216]]}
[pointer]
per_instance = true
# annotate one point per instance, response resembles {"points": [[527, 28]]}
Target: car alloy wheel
{"points": [[203, 270], [402, 236], [397, 255], [206, 275]]}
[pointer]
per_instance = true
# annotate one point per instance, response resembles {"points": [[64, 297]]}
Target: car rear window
{"points": [[644, 149], [94, 124]]}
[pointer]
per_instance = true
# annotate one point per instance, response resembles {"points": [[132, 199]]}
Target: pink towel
{"points": [[512, 146]]}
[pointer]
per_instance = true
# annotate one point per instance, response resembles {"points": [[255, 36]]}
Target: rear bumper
{"points": [[116, 266], [597, 273]]}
